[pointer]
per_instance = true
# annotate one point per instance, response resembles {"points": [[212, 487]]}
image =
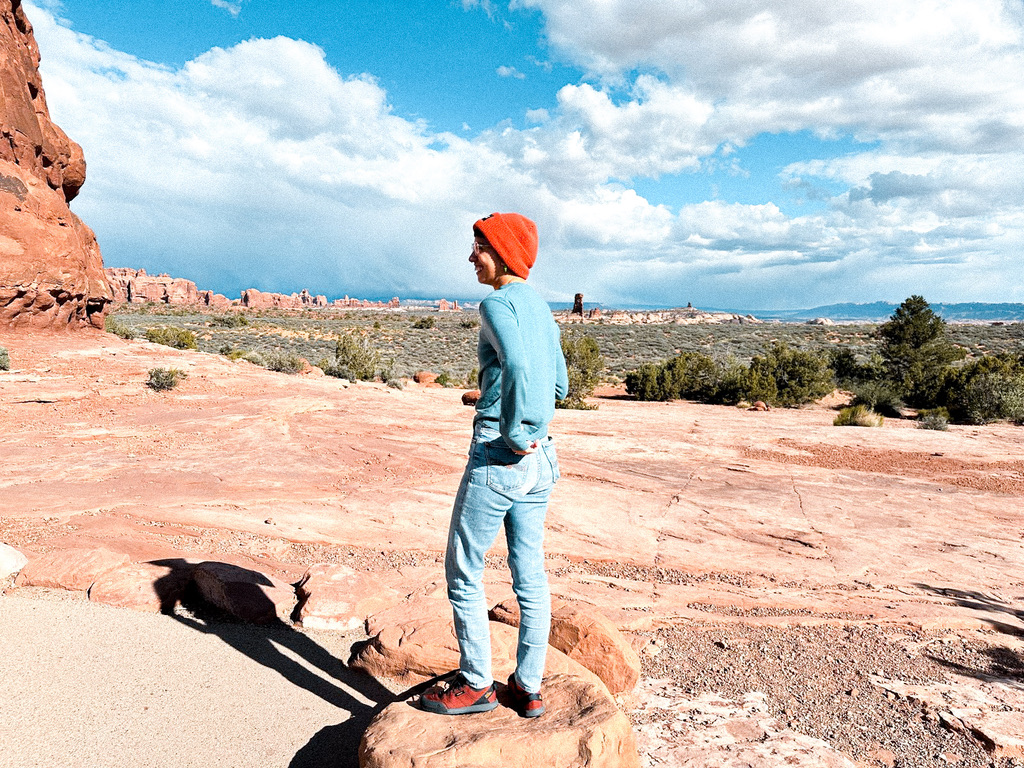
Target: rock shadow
{"points": [[1004, 664], [335, 746]]}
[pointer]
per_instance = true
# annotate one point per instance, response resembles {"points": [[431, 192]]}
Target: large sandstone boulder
{"points": [[245, 594], [415, 641], [338, 597], [152, 587], [73, 569], [581, 728], [582, 633], [51, 271]]}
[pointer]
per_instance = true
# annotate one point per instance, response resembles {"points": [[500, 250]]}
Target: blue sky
{"points": [[781, 155]]}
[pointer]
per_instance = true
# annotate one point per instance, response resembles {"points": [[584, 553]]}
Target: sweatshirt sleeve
{"points": [[501, 326], [561, 375]]}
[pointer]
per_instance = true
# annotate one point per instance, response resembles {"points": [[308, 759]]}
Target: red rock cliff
{"points": [[51, 271]]}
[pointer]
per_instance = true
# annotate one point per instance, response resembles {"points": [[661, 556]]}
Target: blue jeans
{"points": [[499, 487]]}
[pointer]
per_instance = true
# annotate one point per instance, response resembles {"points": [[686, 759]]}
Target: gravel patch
{"points": [[817, 681]]}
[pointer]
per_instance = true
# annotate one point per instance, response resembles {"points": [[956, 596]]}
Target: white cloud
{"points": [[504, 71], [936, 73], [261, 164], [234, 7]]}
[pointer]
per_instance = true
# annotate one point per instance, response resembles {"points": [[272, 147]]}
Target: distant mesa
{"points": [[135, 286], [51, 270], [688, 315]]}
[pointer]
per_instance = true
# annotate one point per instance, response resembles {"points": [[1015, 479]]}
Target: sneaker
{"points": [[453, 696], [525, 703]]}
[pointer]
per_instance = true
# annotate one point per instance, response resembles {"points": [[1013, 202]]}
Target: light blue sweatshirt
{"points": [[522, 370]]}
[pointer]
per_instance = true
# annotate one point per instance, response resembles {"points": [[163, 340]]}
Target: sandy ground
{"points": [[669, 515], [88, 685]]}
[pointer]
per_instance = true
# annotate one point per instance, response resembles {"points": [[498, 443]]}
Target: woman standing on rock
{"points": [[511, 471]]}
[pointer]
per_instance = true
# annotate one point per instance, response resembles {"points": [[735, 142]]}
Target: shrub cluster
{"points": [[232, 320], [354, 359], [161, 379], [584, 364], [858, 416], [933, 418], [283, 362], [5, 360], [116, 327], [984, 390], [781, 376], [179, 338], [878, 395], [424, 323]]}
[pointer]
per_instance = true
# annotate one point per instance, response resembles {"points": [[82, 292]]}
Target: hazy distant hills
{"points": [[876, 311], [882, 310]]}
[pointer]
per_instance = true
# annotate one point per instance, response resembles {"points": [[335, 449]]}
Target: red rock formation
{"points": [[51, 271], [347, 303], [134, 286], [256, 299]]}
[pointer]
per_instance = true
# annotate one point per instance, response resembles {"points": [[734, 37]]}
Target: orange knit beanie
{"points": [[514, 237]]}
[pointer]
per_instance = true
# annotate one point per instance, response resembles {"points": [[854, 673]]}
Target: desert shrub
{"points": [[858, 416], [232, 320], [395, 383], [283, 362], [759, 384], [354, 359], [445, 379], [5, 360], [179, 338], [933, 418], [116, 327], [583, 363], [798, 377], [472, 380], [232, 353], [161, 379], [984, 390], [469, 323], [879, 396], [734, 384], [644, 382], [690, 376], [424, 323], [848, 370], [915, 351]]}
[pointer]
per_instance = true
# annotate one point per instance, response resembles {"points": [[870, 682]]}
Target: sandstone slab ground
{"points": [[676, 520]]}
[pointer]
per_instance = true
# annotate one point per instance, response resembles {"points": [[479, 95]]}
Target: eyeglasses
{"points": [[479, 247]]}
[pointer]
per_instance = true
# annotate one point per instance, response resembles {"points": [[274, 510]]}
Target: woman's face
{"points": [[489, 268]]}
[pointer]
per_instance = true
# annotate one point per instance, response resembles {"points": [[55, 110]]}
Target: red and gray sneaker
{"points": [[525, 703], [453, 696]]}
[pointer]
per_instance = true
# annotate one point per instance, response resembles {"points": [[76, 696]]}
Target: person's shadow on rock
{"points": [[335, 745]]}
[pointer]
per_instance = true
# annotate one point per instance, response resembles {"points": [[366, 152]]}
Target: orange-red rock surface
{"points": [[51, 271], [666, 512]]}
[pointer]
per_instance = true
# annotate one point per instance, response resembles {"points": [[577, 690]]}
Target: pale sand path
{"points": [[89, 686]]}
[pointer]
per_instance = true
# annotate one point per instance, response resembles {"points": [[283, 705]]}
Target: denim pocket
{"points": [[507, 471], [552, 454]]}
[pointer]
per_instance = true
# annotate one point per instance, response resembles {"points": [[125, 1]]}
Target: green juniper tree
{"points": [[916, 351]]}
